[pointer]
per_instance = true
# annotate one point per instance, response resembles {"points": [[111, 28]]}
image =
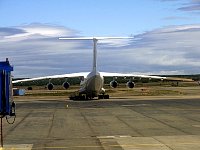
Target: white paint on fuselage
{"points": [[93, 83]]}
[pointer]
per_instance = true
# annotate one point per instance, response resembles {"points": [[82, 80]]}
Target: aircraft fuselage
{"points": [[92, 84]]}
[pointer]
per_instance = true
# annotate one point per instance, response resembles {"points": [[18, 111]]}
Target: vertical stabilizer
{"points": [[94, 55], [95, 40]]}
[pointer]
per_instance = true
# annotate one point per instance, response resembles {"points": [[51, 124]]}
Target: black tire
{"points": [[30, 88], [82, 97], [106, 96], [100, 97]]}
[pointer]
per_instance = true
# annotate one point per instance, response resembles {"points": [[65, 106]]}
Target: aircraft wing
{"points": [[107, 74], [71, 75], [104, 74]]}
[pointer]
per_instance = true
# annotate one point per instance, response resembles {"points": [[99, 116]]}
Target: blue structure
{"points": [[7, 106]]}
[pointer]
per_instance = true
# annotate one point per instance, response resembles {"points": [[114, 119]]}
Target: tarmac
{"points": [[115, 124]]}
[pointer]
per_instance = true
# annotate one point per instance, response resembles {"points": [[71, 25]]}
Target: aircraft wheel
{"points": [[82, 97], [106, 96], [100, 96]]}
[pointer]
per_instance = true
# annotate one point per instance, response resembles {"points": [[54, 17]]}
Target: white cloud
{"points": [[187, 5], [192, 5], [35, 31], [166, 49], [35, 50]]}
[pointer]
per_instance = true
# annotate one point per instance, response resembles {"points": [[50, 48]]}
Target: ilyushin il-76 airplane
{"points": [[92, 85]]}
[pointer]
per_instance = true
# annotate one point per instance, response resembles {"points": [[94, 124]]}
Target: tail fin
{"points": [[94, 55], [95, 39]]}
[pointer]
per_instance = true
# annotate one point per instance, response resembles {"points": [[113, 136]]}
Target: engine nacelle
{"points": [[66, 85], [50, 86], [113, 84], [130, 84]]}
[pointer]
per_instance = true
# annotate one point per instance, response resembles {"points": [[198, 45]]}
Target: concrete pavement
{"points": [[116, 124]]}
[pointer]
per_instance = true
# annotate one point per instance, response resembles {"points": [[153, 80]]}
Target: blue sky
{"points": [[165, 31], [107, 17]]}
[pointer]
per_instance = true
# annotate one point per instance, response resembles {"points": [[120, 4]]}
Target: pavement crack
{"points": [[129, 125], [91, 129], [16, 125], [163, 143], [160, 121], [178, 103], [52, 120]]}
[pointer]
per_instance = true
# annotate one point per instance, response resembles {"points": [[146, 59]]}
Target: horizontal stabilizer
{"points": [[92, 38]]}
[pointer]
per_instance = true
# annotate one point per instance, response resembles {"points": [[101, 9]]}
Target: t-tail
{"points": [[95, 40]]}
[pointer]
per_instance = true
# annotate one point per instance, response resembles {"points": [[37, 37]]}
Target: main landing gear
{"points": [[103, 96], [78, 96]]}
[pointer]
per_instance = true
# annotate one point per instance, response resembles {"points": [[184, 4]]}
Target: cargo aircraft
{"points": [[92, 84]]}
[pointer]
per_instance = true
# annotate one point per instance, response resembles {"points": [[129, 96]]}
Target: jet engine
{"points": [[130, 84], [50, 86], [66, 85], [113, 84]]}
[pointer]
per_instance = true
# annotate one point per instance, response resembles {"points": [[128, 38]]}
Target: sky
{"points": [[166, 36]]}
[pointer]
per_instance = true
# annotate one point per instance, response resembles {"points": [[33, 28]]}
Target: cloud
{"points": [[35, 50], [175, 18], [10, 31], [34, 31], [188, 5], [170, 49], [192, 5]]}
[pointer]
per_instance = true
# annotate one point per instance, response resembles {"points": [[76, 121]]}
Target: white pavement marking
{"points": [[17, 147], [141, 143], [126, 142], [136, 105], [181, 142], [196, 125]]}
